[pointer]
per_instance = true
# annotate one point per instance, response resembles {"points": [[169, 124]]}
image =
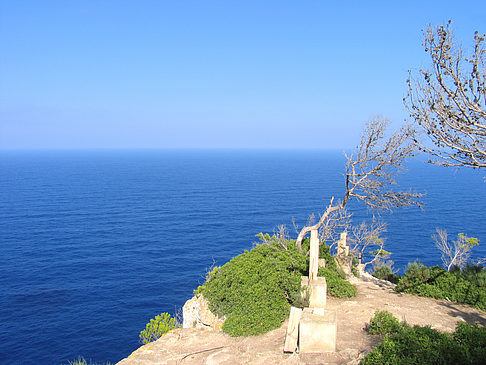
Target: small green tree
{"points": [[157, 327], [455, 253]]}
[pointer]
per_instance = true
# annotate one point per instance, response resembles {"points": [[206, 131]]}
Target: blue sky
{"points": [[210, 74]]}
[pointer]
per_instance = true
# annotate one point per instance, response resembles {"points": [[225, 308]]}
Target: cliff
{"points": [[206, 345]]}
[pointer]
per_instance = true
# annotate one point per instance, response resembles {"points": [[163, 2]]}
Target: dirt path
{"points": [[208, 346]]}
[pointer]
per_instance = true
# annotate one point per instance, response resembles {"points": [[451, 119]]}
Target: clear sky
{"points": [[210, 74]]}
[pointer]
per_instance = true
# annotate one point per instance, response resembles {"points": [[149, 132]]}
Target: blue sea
{"points": [[95, 243]]}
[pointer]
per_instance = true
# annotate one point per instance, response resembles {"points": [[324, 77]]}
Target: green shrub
{"points": [[82, 361], [157, 327], [423, 345], [417, 345], [473, 338], [466, 286], [336, 285], [385, 272], [384, 323], [354, 267], [475, 274], [254, 290], [325, 253]]}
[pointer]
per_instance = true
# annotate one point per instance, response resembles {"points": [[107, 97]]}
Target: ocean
{"points": [[95, 243]]}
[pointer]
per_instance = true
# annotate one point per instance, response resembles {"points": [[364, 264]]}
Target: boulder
{"points": [[196, 313]]}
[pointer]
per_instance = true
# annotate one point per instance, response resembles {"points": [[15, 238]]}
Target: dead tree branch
{"points": [[371, 172]]}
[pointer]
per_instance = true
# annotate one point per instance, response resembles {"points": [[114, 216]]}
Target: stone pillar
{"points": [[342, 248], [314, 255]]}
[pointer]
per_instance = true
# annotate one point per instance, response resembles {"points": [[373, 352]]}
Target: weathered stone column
{"points": [[314, 255], [343, 249]]}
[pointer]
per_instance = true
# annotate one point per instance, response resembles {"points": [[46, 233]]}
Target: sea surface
{"points": [[95, 243]]}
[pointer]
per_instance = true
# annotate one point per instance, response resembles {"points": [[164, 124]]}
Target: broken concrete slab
{"points": [[292, 335]]}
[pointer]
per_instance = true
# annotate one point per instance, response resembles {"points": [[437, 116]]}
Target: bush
{"points": [[385, 272], [473, 338], [336, 285], [254, 290], [384, 323], [466, 286], [82, 361], [423, 345], [157, 327]]}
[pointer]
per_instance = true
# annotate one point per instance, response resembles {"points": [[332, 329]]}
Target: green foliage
{"points": [[385, 272], [213, 271], [354, 267], [301, 299], [475, 274], [473, 338], [157, 327], [82, 361], [336, 285], [422, 345], [384, 323], [325, 253], [254, 289], [466, 286], [380, 252], [470, 242]]}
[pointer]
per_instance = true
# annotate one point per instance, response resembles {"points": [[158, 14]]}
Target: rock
{"points": [[370, 278], [196, 313]]}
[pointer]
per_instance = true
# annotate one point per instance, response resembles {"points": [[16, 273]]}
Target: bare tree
{"points": [[366, 236], [371, 171], [335, 223], [449, 101], [455, 253]]}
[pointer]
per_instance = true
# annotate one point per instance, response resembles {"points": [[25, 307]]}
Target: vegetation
{"points": [[455, 253], [467, 285], [157, 327], [82, 361], [365, 236], [384, 323], [255, 289], [448, 100], [385, 272], [371, 172], [403, 344], [337, 286]]}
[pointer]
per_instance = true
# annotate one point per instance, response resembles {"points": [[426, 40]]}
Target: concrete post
{"points": [[314, 255]]}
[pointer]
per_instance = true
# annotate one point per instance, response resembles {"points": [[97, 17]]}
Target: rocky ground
{"points": [[209, 346]]}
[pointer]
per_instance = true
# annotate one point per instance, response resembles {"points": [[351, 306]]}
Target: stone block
{"points": [[322, 262], [317, 333], [292, 330], [317, 292]]}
